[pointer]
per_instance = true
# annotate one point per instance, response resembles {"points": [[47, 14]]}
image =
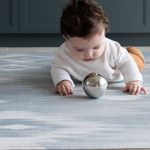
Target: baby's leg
{"points": [[137, 56]]}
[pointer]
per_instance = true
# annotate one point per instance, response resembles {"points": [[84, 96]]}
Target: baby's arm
{"points": [[134, 87], [132, 77], [61, 79], [64, 87]]}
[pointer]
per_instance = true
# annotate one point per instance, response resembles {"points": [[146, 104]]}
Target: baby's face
{"points": [[85, 49]]}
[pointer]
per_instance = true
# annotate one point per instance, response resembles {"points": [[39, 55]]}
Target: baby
{"points": [[83, 25]]}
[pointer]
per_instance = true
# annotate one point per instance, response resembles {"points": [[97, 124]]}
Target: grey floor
{"points": [[33, 116]]}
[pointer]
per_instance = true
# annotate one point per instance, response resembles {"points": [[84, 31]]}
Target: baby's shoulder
{"points": [[112, 45], [61, 55], [62, 48], [62, 51], [114, 49]]}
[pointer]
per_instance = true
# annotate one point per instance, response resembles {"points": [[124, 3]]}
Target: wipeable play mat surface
{"points": [[33, 116]]}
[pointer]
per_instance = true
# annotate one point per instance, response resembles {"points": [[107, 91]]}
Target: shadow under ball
{"points": [[94, 85]]}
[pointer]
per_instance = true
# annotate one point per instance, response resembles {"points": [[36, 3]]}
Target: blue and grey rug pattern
{"points": [[33, 116]]}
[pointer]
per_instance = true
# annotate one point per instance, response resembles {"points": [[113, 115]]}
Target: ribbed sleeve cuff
{"points": [[133, 77]]}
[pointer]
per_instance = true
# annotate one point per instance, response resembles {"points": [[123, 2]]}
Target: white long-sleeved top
{"points": [[115, 65]]}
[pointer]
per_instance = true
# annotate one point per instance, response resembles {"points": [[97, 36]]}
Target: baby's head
{"points": [[82, 18], [84, 24]]}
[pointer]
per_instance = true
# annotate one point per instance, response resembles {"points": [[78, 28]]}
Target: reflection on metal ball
{"points": [[94, 85]]}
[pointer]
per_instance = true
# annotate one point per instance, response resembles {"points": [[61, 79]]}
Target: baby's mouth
{"points": [[90, 59]]}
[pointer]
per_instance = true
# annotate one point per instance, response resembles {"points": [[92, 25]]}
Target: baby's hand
{"points": [[64, 88], [134, 88]]}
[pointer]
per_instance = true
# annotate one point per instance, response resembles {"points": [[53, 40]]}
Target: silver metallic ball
{"points": [[94, 85]]}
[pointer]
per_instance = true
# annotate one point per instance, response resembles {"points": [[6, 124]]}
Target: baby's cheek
{"points": [[100, 52], [96, 54], [77, 56]]}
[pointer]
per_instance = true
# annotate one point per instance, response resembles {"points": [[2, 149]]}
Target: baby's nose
{"points": [[89, 54]]}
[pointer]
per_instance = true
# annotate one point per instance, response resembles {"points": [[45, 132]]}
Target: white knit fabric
{"points": [[115, 65]]}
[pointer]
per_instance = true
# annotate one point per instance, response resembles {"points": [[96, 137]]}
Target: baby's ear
{"points": [[65, 38]]}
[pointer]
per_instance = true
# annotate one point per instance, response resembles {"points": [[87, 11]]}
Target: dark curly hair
{"points": [[82, 18]]}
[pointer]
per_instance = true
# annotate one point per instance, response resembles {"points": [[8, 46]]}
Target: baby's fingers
{"points": [[125, 89], [141, 89], [69, 89], [58, 90], [135, 88], [144, 90], [64, 90], [131, 89], [138, 90]]}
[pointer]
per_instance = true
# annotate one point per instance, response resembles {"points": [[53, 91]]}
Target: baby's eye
{"points": [[96, 47], [79, 50]]}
